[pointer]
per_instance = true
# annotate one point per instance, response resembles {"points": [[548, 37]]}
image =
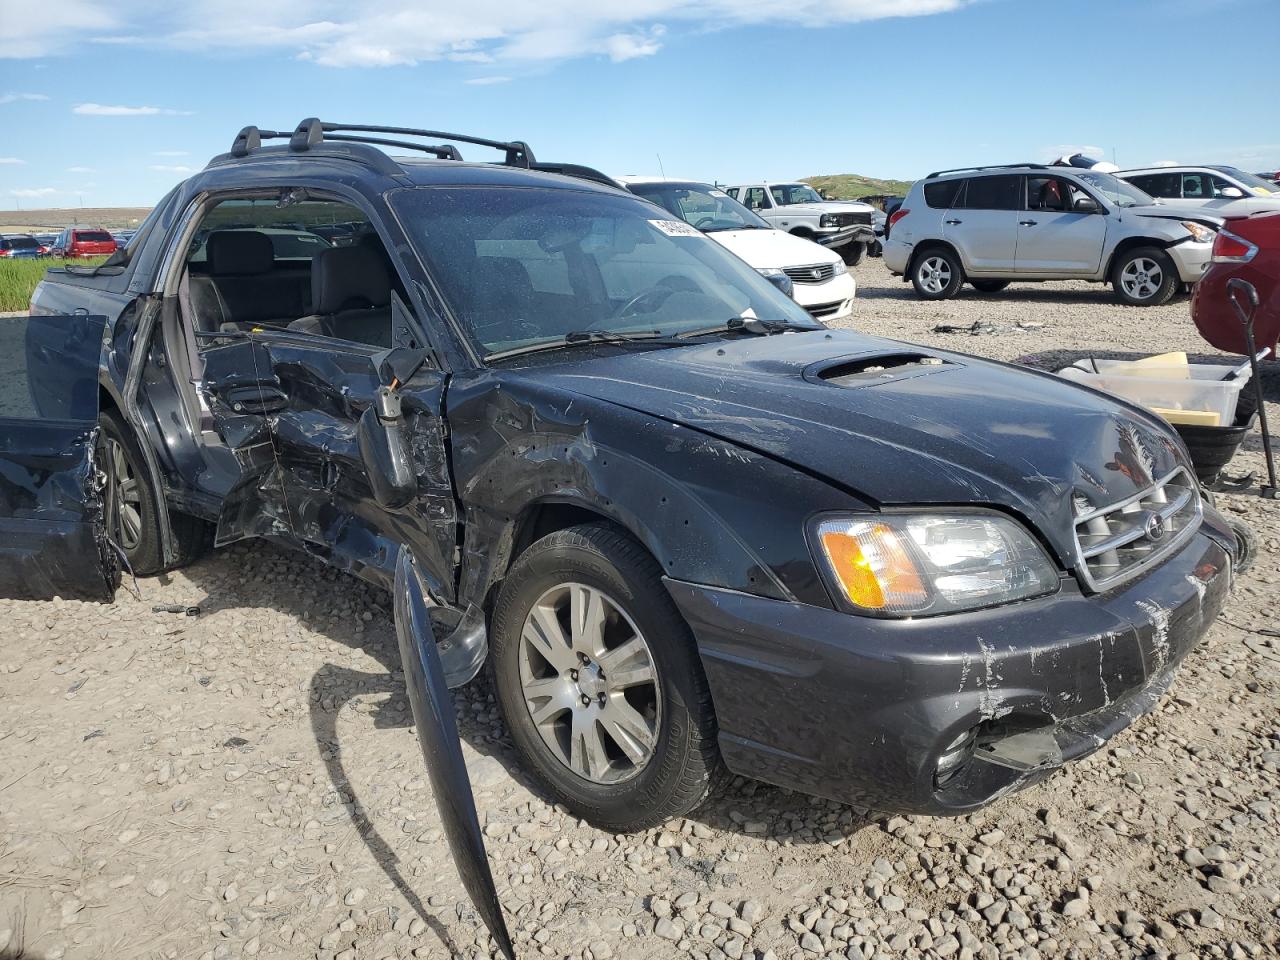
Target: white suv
{"points": [[993, 225], [819, 280], [1217, 189], [843, 225]]}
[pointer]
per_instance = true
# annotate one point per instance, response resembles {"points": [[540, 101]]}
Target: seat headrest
{"points": [[238, 252], [343, 278]]}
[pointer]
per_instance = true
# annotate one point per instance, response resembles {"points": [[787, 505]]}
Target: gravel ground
{"points": [[247, 782]]}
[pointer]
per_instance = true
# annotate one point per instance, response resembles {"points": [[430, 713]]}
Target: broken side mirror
{"points": [[384, 448], [433, 716]]}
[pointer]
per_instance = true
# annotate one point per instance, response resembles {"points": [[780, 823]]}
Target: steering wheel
{"points": [[650, 300], [698, 225]]}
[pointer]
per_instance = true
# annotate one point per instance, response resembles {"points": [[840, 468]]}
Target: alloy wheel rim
{"points": [[124, 498], [1141, 278], [935, 274], [589, 682]]}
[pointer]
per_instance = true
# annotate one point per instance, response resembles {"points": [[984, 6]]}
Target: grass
{"points": [[851, 186], [18, 278]]}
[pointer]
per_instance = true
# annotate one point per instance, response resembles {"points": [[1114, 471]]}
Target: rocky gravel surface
{"points": [[246, 782]]}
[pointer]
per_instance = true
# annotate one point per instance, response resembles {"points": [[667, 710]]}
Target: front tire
{"points": [[937, 274], [1145, 277], [599, 681], [853, 253]]}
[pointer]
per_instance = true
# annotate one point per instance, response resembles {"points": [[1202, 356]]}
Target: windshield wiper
{"points": [[754, 325], [578, 338]]}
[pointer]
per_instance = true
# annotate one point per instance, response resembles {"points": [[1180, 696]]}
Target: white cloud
{"points": [[15, 97], [104, 110], [167, 168], [1056, 150], [79, 169], [388, 33], [486, 81], [1165, 163], [34, 192], [32, 30], [10, 161]]}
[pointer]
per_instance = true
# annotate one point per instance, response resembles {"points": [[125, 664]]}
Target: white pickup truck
{"points": [[843, 225]]}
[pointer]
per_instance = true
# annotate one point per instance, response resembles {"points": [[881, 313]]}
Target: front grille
{"points": [[849, 219], [812, 273], [824, 309], [1116, 542]]}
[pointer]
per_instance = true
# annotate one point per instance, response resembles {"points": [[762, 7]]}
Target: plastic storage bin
{"points": [[1201, 399]]}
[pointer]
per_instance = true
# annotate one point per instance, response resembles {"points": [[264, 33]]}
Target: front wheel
{"points": [[853, 253], [1145, 277], [599, 682], [937, 274]]}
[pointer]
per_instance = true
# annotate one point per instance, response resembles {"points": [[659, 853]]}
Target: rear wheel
{"points": [[599, 682], [989, 286], [130, 505], [1145, 277], [937, 274]]}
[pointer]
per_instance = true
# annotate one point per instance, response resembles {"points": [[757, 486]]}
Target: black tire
{"points": [[1246, 544], [685, 760], [936, 274], [140, 538], [1134, 280], [853, 253], [988, 286]]}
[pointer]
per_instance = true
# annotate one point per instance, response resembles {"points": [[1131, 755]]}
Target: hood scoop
{"points": [[866, 371]]}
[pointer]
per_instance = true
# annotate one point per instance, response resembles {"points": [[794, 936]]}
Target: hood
{"points": [[773, 248], [828, 206], [866, 415], [1173, 211]]}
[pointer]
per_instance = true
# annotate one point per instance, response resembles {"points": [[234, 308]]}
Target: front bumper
{"points": [[865, 711], [1191, 259], [832, 300], [835, 237]]}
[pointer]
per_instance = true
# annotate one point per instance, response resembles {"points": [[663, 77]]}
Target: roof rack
{"points": [[312, 133], [995, 166]]}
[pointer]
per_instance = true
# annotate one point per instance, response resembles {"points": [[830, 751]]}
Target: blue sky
{"points": [[106, 105]]}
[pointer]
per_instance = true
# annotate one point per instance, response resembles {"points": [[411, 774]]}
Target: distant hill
{"points": [[112, 218], [851, 186]]}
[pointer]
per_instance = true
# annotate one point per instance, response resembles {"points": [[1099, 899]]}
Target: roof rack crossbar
{"points": [[312, 131], [444, 151], [990, 166]]}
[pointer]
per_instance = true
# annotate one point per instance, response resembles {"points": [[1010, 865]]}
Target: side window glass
{"points": [[1164, 185], [755, 198], [1046, 193], [779, 196], [1218, 185], [942, 194], [1074, 195], [733, 192], [994, 193], [1192, 186]]}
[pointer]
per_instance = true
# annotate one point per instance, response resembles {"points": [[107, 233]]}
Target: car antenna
{"points": [[660, 170]]}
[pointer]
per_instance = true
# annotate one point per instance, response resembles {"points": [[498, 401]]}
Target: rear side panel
{"points": [[52, 531]]}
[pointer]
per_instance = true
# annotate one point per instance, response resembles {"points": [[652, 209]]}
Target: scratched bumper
{"points": [[862, 710]]}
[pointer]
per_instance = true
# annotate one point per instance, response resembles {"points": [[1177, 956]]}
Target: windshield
{"points": [[1119, 192], [1263, 188], [92, 236], [23, 243], [705, 207], [521, 267], [785, 193]]}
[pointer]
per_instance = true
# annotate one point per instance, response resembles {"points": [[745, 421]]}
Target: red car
{"points": [[1248, 248], [83, 242]]}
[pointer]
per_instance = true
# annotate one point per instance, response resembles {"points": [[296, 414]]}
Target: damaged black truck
{"points": [[687, 527]]}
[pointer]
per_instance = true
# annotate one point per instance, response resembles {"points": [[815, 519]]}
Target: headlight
{"points": [[829, 220], [901, 565], [1199, 231], [778, 278], [840, 267]]}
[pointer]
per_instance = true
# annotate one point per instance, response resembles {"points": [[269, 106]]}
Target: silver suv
{"points": [[993, 225]]}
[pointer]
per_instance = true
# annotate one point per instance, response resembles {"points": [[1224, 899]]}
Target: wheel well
{"points": [[1130, 243], [105, 400], [922, 248]]}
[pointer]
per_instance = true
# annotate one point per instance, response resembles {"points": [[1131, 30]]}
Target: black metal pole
{"points": [[1246, 319]]}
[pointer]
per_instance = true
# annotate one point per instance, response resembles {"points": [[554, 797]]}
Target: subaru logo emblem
{"points": [[1155, 527]]}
